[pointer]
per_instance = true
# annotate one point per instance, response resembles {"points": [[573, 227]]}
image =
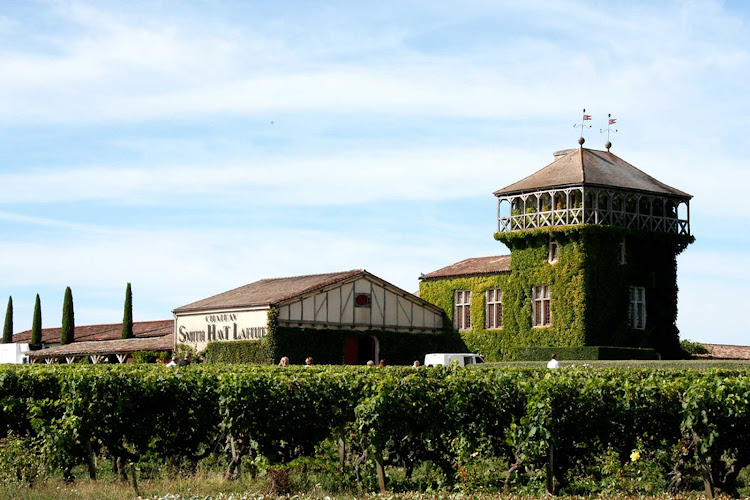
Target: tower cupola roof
{"points": [[591, 168]]}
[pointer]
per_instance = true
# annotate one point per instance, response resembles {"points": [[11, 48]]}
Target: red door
{"points": [[351, 350]]}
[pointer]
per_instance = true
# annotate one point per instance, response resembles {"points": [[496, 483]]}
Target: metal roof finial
{"points": [[609, 129], [586, 117]]}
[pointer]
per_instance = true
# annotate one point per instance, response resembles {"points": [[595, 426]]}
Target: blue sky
{"points": [[192, 147]]}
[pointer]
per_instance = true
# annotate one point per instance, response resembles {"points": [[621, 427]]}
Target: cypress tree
{"points": [[36, 324], [8, 330], [67, 332], [127, 317]]}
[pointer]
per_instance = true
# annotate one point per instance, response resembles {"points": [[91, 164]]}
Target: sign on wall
{"points": [[197, 330]]}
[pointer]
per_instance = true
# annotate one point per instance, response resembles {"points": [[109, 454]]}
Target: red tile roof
{"points": [[267, 292], [475, 266], [120, 346], [141, 329], [589, 167], [722, 351]]}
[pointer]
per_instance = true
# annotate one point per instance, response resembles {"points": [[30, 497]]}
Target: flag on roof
{"points": [[586, 117], [612, 121]]}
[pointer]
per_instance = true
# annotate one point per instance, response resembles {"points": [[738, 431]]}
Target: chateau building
{"points": [[593, 241], [348, 317], [593, 244]]}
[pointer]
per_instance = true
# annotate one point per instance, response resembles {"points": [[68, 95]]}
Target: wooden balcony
{"points": [[639, 211]]}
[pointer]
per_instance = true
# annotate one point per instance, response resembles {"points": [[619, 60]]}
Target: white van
{"points": [[14, 353], [462, 358]]}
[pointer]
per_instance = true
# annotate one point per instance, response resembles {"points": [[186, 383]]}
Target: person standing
{"points": [[553, 363], [185, 362]]}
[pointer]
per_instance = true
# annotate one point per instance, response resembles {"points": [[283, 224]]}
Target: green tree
{"points": [[67, 332], [127, 317], [36, 325], [8, 330]]}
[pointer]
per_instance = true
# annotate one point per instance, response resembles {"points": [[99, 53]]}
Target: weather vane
{"points": [[583, 126], [609, 129]]}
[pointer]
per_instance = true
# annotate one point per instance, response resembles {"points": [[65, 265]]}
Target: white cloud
{"points": [[119, 69], [341, 178]]}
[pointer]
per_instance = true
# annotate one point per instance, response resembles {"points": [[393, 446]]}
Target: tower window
{"points": [[541, 306], [494, 312], [637, 307], [462, 309], [622, 254], [552, 258]]}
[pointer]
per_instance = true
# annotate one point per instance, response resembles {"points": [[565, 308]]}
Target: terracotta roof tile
{"points": [[267, 292], [121, 346], [473, 267], [589, 167], [722, 351], [83, 333]]}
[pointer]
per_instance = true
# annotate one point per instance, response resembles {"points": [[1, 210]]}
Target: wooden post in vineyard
{"points": [[381, 470], [551, 470], [90, 459], [342, 452]]}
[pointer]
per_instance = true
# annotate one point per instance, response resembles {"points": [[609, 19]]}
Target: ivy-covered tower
{"points": [[593, 243]]}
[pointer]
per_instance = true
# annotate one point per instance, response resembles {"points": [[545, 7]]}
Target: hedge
{"points": [[150, 356], [585, 353], [240, 351], [678, 421]]}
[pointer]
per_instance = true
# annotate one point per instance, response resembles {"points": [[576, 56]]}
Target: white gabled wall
{"points": [[335, 307]]}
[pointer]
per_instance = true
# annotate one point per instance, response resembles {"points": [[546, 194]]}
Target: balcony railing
{"points": [[576, 216]]}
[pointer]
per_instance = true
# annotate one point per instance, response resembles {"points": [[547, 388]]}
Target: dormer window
{"points": [[552, 255]]}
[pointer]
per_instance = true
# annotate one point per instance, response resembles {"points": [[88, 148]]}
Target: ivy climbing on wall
{"points": [[589, 289]]}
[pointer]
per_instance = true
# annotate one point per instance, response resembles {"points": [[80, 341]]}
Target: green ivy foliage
{"points": [[241, 351], [327, 346], [690, 348], [588, 286]]}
